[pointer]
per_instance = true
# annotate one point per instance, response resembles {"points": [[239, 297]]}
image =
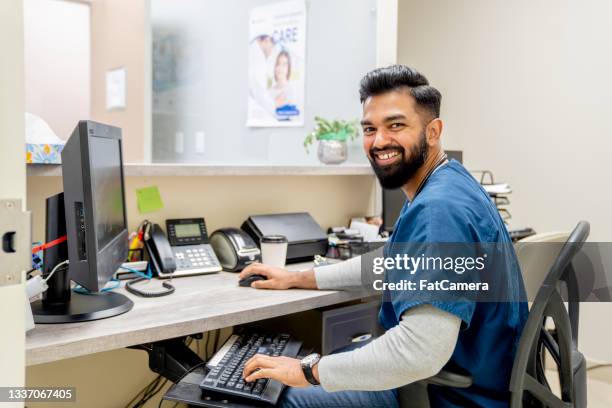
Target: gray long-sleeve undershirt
{"points": [[417, 348]]}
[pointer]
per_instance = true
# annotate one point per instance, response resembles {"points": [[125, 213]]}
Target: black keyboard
{"points": [[225, 367]]}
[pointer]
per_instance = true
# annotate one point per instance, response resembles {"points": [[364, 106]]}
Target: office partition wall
{"points": [[12, 186], [200, 84]]}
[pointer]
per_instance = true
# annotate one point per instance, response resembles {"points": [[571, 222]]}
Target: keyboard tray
{"points": [[188, 391]]}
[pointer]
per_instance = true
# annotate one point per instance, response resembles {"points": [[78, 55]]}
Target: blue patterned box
{"points": [[44, 153]]}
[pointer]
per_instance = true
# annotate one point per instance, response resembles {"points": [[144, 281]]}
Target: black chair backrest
{"points": [[528, 385]]}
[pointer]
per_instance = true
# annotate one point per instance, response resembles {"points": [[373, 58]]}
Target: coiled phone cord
{"points": [[129, 286]]}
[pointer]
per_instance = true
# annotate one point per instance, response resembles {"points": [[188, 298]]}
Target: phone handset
{"points": [[160, 252], [161, 260]]}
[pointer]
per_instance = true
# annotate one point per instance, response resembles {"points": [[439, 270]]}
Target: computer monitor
{"points": [[91, 212], [393, 200]]}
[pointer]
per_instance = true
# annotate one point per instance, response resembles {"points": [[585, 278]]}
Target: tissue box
{"points": [[37, 153]]}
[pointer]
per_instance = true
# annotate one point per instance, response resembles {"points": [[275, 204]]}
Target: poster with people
{"points": [[277, 48]]}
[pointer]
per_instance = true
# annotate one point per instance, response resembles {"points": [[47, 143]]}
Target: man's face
{"points": [[266, 45], [393, 137]]}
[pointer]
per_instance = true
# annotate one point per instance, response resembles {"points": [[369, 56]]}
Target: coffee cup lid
{"points": [[274, 239]]}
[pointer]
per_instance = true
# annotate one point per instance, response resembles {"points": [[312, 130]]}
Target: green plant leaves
{"points": [[331, 130]]}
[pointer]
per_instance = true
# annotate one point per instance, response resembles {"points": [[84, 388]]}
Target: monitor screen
{"points": [[393, 201], [107, 189]]}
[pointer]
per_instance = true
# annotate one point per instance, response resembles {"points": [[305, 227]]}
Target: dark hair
{"points": [[394, 77]]}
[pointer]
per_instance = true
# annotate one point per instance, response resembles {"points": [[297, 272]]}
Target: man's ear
{"points": [[433, 131]]}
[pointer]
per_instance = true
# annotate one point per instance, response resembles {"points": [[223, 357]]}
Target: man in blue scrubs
{"points": [[402, 139]]}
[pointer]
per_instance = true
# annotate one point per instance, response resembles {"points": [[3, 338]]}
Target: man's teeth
{"points": [[385, 156]]}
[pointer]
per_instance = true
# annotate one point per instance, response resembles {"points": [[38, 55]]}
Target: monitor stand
{"points": [[59, 303], [82, 308]]}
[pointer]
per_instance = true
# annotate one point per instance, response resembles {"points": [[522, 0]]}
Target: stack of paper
{"points": [[499, 188]]}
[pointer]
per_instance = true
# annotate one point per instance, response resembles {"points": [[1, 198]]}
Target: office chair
{"points": [[536, 255], [528, 384]]}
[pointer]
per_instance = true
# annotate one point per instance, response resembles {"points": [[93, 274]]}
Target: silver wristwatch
{"points": [[307, 364]]}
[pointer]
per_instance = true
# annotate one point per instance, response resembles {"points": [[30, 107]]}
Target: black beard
{"points": [[397, 174]]}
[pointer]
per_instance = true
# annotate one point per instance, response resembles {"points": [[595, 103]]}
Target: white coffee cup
{"points": [[274, 250]]}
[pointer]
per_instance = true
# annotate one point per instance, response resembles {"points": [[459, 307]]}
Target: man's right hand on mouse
{"points": [[279, 278]]}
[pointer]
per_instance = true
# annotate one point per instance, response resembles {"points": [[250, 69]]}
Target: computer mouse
{"points": [[250, 279]]}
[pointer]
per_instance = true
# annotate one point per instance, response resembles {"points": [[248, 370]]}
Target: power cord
{"points": [[161, 402], [161, 384], [37, 285], [191, 370], [136, 272], [148, 392], [55, 269], [154, 387], [82, 291], [142, 390]]}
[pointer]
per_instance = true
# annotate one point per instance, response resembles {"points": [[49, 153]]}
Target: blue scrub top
{"points": [[453, 208]]}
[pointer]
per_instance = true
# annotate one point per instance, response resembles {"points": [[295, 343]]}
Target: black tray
{"points": [[188, 391]]}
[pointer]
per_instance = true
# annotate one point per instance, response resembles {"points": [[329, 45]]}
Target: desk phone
{"points": [[192, 251], [185, 251]]}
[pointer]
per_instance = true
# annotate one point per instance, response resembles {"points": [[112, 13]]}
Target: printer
{"points": [[305, 237]]}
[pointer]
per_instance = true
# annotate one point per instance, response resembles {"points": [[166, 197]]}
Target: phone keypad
{"points": [[195, 257]]}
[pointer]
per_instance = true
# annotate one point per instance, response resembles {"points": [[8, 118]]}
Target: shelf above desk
{"points": [[200, 303], [169, 170]]}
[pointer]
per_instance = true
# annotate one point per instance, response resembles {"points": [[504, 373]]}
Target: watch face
{"points": [[310, 359]]}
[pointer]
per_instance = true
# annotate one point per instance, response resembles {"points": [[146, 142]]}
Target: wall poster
{"points": [[277, 48]]}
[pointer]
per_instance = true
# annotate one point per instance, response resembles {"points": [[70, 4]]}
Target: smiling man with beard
{"points": [[402, 131]]}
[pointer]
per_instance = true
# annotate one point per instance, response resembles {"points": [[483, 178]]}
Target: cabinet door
{"points": [[347, 327]]}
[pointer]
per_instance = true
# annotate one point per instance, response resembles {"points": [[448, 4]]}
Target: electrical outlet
{"points": [[199, 142], [179, 143]]}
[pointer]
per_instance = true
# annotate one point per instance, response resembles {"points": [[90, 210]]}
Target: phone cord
{"points": [[129, 286]]}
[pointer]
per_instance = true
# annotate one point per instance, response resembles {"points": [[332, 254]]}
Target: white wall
{"points": [[57, 62], [526, 87], [12, 185], [120, 31], [386, 32]]}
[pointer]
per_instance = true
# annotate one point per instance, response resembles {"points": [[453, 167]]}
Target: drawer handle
{"points": [[361, 338]]}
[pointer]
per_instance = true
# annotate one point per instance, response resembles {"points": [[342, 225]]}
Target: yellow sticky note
{"points": [[149, 199]]}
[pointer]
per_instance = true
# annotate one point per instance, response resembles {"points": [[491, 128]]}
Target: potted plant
{"points": [[332, 137]]}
